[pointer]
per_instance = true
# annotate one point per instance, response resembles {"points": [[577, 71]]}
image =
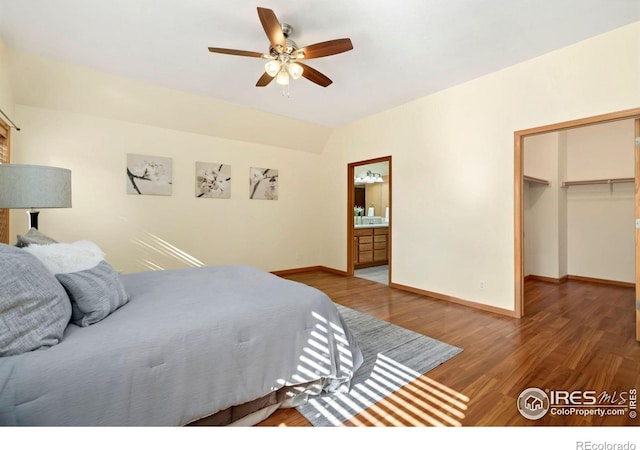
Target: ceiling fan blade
{"points": [[312, 74], [327, 48], [272, 27], [264, 80], [228, 51]]}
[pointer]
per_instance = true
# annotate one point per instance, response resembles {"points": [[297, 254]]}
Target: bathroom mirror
{"points": [[371, 188]]}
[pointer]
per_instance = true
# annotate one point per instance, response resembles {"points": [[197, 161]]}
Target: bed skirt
{"points": [[254, 412]]}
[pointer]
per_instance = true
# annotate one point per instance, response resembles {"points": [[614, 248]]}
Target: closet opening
{"points": [[577, 197]]}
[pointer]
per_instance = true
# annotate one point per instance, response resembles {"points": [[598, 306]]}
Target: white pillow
{"points": [[67, 258]]}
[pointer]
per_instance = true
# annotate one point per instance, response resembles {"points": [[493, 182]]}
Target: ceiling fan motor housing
{"points": [[290, 43], [287, 29]]}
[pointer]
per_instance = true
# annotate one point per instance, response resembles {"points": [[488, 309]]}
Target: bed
{"points": [[210, 345]]}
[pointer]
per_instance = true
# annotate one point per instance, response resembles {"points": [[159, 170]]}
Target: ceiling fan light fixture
{"points": [[283, 52], [369, 178], [283, 77], [295, 70], [272, 67]]}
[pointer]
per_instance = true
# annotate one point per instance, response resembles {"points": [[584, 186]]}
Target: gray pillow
{"points": [[33, 236], [95, 293], [34, 307]]}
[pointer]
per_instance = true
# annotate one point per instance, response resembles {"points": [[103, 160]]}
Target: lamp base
{"points": [[33, 218]]}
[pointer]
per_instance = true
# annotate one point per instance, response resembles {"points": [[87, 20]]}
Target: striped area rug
{"points": [[393, 358]]}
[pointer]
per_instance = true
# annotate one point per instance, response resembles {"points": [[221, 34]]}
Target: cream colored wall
{"points": [[6, 87], [601, 151], [563, 207], [45, 83], [542, 230], [601, 221], [88, 121], [151, 232], [453, 165]]}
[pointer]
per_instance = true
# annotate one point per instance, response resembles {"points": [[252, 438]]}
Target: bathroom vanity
{"points": [[370, 245]]}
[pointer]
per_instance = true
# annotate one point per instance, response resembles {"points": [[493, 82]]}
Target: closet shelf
{"points": [[587, 182], [529, 179]]}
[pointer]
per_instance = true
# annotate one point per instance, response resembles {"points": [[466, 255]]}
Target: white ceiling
{"points": [[403, 50]]}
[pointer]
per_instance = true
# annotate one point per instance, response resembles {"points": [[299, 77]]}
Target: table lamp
{"points": [[24, 186]]}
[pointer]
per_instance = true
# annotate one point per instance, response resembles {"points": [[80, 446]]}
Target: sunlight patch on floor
{"points": [[394, 395], [316, 362]]}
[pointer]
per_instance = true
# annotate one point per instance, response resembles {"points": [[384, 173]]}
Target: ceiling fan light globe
{"points": [[295, 70], [272, 67], [282, 78]]}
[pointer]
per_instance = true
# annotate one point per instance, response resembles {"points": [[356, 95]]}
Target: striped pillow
{"points": [[95, 293]]}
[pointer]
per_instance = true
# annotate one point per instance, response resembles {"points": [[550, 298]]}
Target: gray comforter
{"points": [[189, 343]]}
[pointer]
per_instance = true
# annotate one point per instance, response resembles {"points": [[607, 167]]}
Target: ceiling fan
{"points": [[284, 54]]}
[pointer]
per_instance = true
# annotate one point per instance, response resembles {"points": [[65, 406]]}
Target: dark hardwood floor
{"points": [[574, 336]]}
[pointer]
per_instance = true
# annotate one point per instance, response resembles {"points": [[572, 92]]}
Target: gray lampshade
{"points": [[28, 186]]}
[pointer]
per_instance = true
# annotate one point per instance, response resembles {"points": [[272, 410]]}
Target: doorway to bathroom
{"points": [[369, 219]]}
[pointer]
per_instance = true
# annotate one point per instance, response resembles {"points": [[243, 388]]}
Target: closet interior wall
{"points": [[588, 230]]}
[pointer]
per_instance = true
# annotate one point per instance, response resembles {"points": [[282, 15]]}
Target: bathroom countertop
{"points": [[373, 225]]}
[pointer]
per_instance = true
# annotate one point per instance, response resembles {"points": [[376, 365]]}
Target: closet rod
{"points": [[609, 181], [536, 180]]}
